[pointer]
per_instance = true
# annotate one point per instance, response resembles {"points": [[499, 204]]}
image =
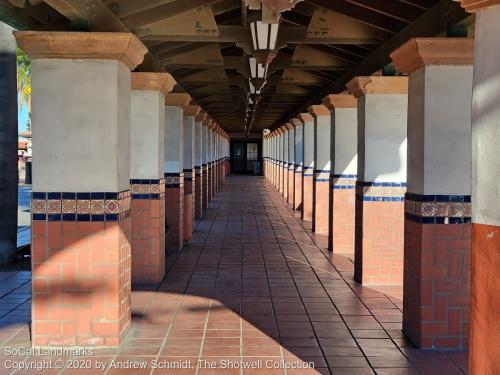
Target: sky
{"points": [[22, 118]]}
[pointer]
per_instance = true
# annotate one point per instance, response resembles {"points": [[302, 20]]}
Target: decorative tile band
{"points": [[322, 175], [380, 191], [291, 167], [298, 168], [147, 189], [438, 209], [344, 181], [80, 206], [174, 180], [308, 171], [188, 175]]}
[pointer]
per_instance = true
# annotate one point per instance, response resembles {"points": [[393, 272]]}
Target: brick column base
{"points": [[188, 204], [291, 183], [198, 194], [321, 203], [174, 211], [307, 194], [297, 185], [81, 263], [148, 231], [210, 192], [204, 185], [341, 238], [379, 234], [437, 272], [484, 349]]}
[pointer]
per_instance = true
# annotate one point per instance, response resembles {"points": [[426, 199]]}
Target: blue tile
{"points": [[53, 195], [111, 195], [83, 217], [39, 217], [98, 217], [112, 217], [36, 195], [83, 195], [69, 217], [68, 195], [54, 217], [97, 195]]}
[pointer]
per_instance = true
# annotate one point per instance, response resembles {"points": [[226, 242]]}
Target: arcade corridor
{"points": [[252, 285]]}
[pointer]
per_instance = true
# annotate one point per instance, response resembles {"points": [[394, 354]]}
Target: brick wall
{"points": [[307, 204], [297, 204], [321, 211], [174, 212]]}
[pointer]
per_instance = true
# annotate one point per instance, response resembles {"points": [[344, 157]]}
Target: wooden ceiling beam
{"points": [[166, 9], [391, 8], [236, 33], [361, 14]]}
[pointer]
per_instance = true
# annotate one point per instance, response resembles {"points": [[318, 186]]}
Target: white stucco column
{"points": [[322, 168], [198, 164], [174, 166], [190, 112], [299, 162], [81, 88], [308, 168], [210, 156], [147, 183], [484, 332], [285, 162], [343, 109], [204, 161], [438, 200], [291, 162], [381, 185]]}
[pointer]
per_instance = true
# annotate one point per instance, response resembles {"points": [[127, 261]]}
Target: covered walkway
{"points": [[253, 284]]}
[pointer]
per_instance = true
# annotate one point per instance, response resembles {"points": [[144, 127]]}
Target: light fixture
{"points": [[258, 73], [264, 37]]}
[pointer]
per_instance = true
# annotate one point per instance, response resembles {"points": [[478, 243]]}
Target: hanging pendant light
{"points": [[264, 37]]}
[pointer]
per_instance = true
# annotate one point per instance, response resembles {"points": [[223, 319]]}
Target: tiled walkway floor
{"points": [[252, 285]]}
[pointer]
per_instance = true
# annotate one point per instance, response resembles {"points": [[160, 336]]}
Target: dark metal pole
{"points": [[8, 146]]}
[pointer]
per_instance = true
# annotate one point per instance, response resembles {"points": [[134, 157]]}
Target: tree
{"points": [[24, 82]]}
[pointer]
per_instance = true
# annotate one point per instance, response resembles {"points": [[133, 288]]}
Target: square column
{"points": [[190, 112], [198, 165], [299, 162], [484, 350], [438, 199], [343, 108], [279, 178], [173, 167], [308, 168], [277, 160], [322, 168], [8, 143], [204, 163], [81, 227], [381, 184], [284, 180], [210, 161], [291, 163], [147, 183]]}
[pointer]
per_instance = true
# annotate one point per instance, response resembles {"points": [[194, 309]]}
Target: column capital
{"points": [[146, 81], [319, 110], [305, 117], [284, 129], [177, 99], [296, 122], [418, 52], [473, 6], [340, 101], [360, 86], [289, 126], [191, 110], [202, 115], [123, 47], [206, 122]]}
